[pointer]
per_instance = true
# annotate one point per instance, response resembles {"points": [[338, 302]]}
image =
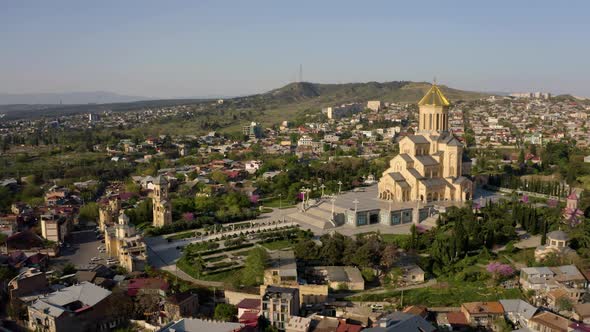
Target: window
{"points": [[395, 218], [361, 219]]}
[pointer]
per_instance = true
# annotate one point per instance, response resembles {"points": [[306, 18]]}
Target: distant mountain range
{"points": [[67, 98], [286, 101]]}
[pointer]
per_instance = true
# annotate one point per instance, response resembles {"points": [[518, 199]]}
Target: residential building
{"points": [[248, 305], [374, 105], [81, 307], [581, 312], [282, 270], [337, 277], [279, 304], [27, 282], [550, 283], [54, 228], [180, 305], [519, 312], [549, 322], [201, 325], [337, 112], [298, 324], [401, 321], [482, 314], [253, 130], [152, 286]]}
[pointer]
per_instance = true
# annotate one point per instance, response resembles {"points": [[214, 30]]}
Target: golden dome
{"points": [[434, 97]]}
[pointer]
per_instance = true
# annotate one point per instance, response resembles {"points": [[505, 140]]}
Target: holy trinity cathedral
{"points": [[429, 166]]}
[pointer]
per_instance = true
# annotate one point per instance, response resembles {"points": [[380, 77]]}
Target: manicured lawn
{"points": [[454, 294], [276, 203], [525, 256], [277, 245], [214, 258], [225, 276], [397, 239], [183, 235]]}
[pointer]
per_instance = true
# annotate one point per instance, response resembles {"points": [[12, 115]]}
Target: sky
{"points": [[164, 49]]}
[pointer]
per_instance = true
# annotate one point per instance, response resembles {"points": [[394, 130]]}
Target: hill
{"points": [[67, 98], [286, 102], [319, 95]]}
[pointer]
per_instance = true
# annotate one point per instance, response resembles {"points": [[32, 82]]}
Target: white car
{"points": [[94, 259], [100, 247]]}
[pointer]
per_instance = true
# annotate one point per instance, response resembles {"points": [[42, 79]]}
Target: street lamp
{"points": [[323, 187], [339, 187], [356, 202]]}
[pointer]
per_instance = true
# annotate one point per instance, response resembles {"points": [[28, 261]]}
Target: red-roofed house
{"points": [[248, 305], [343, 326], [457, 320], [147, 286], [249, 319]]}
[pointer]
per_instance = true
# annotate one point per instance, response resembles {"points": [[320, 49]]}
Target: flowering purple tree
{"points": [[499, 270], [188, 216], [525, 199]]}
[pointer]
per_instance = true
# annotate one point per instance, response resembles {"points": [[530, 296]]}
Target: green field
{"points": [[450, 294], [278, 245]]}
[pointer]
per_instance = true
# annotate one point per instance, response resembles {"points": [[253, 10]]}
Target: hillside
{"points": [[312, 95], [283, 103]]}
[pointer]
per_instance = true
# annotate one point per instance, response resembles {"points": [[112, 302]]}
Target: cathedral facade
{"points": [[429, 165]]}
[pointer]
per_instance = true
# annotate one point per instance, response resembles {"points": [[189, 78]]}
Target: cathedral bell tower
{"points": [[434, 112]]}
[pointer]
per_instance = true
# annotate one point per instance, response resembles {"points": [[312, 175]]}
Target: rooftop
{"points": [[84, 294], [484, 307], [434, 97], [199, 325]]}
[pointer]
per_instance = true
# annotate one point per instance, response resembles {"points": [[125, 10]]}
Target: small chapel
{"points": [[429, 165]]}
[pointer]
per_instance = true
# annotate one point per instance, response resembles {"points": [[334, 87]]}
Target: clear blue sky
{"points": [[205, 48]]}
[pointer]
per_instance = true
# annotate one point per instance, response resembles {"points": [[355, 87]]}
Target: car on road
{"points": [[100, 247], [94, 259]]}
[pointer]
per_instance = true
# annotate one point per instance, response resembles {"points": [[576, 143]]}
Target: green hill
{"points": [[288, 102], [328, 94]]}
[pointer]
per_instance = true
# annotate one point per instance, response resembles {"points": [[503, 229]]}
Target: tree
{"points": [[306, 250], [564, 303], [521, 157], [413, 244], [389, 256], [225, 312], [146, 305], [219, 177], [69, 268], [119, 304], [89, 212], [254, 267]]}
